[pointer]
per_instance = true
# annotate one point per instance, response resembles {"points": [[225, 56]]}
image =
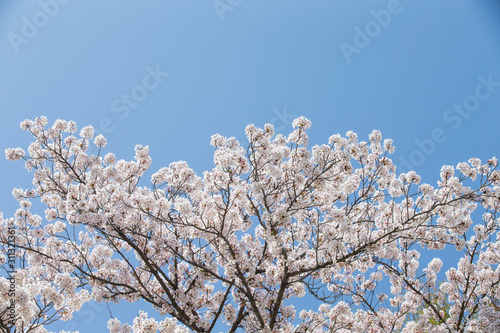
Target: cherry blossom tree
{"points": [[271, 223]]}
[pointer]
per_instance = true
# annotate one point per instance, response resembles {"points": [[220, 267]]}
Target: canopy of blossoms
{"points": [[272, 222]]}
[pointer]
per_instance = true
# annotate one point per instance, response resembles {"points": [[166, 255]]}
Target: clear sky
{"points": [[169, 74]]}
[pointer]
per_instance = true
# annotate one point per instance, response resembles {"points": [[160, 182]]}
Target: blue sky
{"points": [[425, 73]]}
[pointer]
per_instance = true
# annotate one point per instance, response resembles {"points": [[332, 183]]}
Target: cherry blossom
{"points": [[241, 244]]}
